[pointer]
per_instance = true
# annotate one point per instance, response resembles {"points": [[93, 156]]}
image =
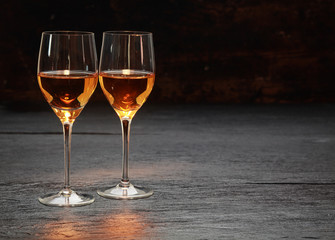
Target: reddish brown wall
{"points": [[206, 51]]}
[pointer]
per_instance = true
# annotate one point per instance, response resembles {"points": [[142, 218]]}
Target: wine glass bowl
{"points": [[67, 92], [127, 90], [126, 76], [67, 75]]}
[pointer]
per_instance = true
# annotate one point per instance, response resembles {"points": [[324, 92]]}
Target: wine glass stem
{"points": [[67, 130], [125, 124]]}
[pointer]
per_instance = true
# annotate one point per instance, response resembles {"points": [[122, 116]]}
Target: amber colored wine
{"points": [[67, 92], [126, 90]]}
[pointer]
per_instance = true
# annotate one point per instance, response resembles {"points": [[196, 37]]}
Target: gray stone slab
{"points": [[218, 172]]}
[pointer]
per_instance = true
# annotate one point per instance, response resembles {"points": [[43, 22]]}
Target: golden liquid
{"points": [[127, 90], [67, 92]]}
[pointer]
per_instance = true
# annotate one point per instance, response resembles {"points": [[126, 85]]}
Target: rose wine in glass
{"points": [[67, 75], [127, 76]]}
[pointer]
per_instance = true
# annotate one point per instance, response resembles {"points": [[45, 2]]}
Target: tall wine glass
{"points": [[67, 75], [126, 76]]}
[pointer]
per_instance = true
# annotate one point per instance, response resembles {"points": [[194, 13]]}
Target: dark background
{"points": [[233, 51]]}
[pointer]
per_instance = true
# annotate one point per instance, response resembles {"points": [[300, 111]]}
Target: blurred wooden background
{"points": [[229, 51]]}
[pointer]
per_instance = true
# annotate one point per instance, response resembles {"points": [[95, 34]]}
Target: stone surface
{"points": [[218, 172]]}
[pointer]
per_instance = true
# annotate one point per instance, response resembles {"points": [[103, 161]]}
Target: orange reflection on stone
{"points": [[63, 230], [121, 225], [127, 225]]}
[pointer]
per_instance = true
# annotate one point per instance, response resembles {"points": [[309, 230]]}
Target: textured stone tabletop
{"points": [[218, 172]]}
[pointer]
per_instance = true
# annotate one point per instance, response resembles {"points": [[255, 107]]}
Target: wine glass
{"points": [[67, 75], [126, 76]]}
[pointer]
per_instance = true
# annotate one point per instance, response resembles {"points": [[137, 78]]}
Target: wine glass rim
{"points": [[65, 32], [126, 32]]}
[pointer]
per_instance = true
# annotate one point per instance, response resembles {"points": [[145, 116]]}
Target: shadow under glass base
{"points": [[129, 192], [66, 198]]}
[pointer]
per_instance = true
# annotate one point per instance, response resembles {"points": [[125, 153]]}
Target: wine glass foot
{"points": [[67, 198], [130, 192]]}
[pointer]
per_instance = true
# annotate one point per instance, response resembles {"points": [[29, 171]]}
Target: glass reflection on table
{"points": [[123, 224]]}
